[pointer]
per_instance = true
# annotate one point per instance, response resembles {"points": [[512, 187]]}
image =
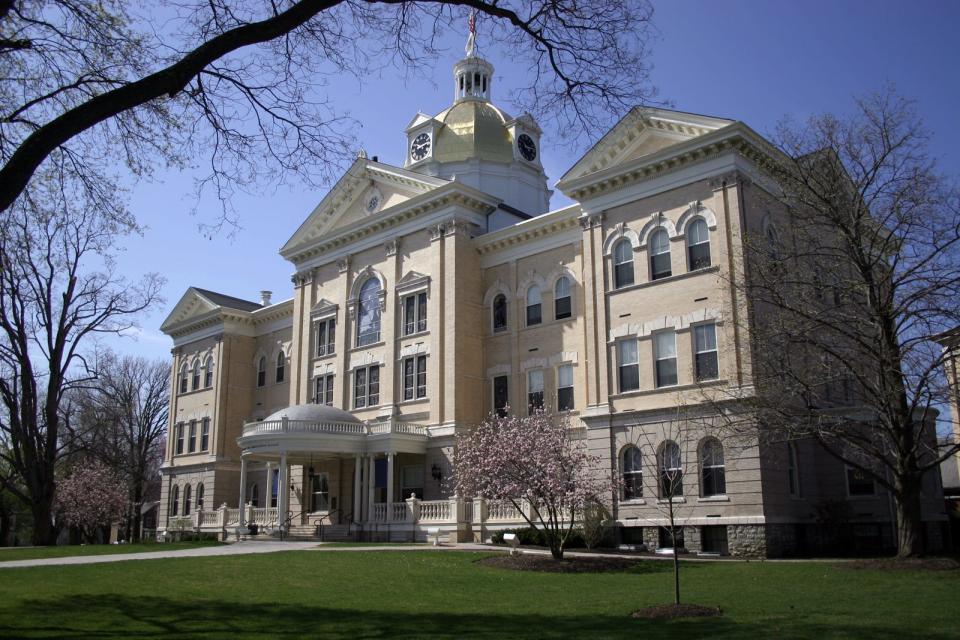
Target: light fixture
{"points": [[436, 472]]}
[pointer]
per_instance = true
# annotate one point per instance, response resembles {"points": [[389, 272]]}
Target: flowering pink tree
{"points": [[515, 458], [92, 496]]}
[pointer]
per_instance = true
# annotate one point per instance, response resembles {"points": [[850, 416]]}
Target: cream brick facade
{"points": [[417, 231]]}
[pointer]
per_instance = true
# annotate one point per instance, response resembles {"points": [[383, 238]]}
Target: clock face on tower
{"points": [[420, 147], [527, 147]]}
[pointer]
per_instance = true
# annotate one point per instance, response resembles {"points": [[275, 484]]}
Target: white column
{"points": [[243, 491], [267, 493], [368, 509], [390, 497], [283, 498], [357, 461]]}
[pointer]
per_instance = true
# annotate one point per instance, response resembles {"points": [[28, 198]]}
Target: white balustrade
{"points": [[503, 510], [398, 511], [233, 516], [270, 427], [379, 512], [264, 516], [209, 519], [435, 510]]}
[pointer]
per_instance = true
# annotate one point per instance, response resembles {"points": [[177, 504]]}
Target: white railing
{"points": [[398, 511], [269, 427], [503, 510], [180, 522], [209, 518], [264, 515], [436, 510], [233, 516], [379, 512]]}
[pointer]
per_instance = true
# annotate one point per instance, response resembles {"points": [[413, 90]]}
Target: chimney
{"points": [[265, 298]]}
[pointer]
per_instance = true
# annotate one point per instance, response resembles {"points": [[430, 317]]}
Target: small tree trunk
{"points": [[909, 519], [676, 558]]}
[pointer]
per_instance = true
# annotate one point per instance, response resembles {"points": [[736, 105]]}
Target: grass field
{"points": [[445, 595], [33, 553]]}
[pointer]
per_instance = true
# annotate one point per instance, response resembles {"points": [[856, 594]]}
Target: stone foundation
{"points": [[747, 540]]}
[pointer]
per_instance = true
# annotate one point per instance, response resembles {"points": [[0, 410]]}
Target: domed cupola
{"points": [[478, 144]]}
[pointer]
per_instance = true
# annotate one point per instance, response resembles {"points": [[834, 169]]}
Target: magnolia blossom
{"points": [[92, 496], [532, 458]]}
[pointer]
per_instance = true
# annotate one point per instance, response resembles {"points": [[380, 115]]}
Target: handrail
{"points": [[328, 514], [284, 425]]}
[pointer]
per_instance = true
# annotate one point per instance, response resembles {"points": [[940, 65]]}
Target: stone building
{"points": [[428, 295]]}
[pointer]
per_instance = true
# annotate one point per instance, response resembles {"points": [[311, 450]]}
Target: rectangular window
{"points": [[323, 390], [534, 314], [534, 390], [366, 387], [501, 395], [415, 313], [860, 483], [193, 437], [705, 349], [415, 378], [665, 352], [179, 434], [325, 337], [628, 365], [565, 388], [411, 481], [205, 434]]}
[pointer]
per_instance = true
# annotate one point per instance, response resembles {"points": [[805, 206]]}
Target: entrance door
{"points": [[320, 492]]}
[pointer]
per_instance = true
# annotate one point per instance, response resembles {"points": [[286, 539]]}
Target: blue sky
{"points": [[755, 61]]}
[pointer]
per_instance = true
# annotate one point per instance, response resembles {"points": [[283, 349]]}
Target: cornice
{"points": [[546, 224]]}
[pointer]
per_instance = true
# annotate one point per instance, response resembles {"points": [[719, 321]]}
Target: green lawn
{"points": [[32, 553], [444, 595]]}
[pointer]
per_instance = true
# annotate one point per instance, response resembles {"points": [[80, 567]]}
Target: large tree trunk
{"points": [[909, 520], [44, 533]]}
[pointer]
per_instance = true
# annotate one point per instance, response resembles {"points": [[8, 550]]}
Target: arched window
{"points": [[208, 373], [262, 371], [255, 495], [632, 465], [186, 500], [622, 264], [561, 298], [199, 497], [660, 255], [698, 245], [184, 378], [175, 501], [671, 473], [534, 308], [713, 480], [281, 367], [500, 313], [793, 470], [368, 313], [773, 238], [195, 375]]}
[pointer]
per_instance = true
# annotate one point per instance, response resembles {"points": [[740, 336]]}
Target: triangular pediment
{"points": [[323, 307], [365, 191], [643, 131], [191, 305]]}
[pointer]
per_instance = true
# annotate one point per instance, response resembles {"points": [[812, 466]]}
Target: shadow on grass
{"points": [[119, 616]]}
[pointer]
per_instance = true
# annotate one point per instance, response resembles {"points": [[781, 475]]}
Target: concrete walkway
{"points": [[239, 548]]}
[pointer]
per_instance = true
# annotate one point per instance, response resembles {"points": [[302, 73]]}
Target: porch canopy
{"points": [[318, 428]]}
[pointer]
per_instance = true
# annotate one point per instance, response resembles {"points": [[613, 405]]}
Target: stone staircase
{"points": [[308, 532]]}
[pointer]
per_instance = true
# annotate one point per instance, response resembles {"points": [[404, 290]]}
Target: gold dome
{"points": [[473, 129]]}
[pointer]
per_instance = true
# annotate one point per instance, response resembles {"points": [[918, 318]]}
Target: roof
{"points": [[223, 300], [313, 413]]}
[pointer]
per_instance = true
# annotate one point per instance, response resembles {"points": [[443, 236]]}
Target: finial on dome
{"points": [[472, 38], [362, 154]]}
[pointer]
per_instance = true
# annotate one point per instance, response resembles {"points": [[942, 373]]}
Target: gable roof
{"points": [[627, 135], [224, 300], [348, 188]]}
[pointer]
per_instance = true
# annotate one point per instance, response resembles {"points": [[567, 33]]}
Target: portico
{"points": [[325, 465]]}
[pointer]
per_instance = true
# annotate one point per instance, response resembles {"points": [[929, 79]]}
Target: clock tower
{"points": [[476, 143]]}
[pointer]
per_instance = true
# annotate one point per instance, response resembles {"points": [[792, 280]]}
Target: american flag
{"points": [[472, 22]]}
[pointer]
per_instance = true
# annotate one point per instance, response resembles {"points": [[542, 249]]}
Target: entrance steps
{"points": [[310, 532]]}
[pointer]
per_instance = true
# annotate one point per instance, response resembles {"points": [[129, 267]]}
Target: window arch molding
{"points": [[532, 278], [497, 287], [657, 221], [358, 284], [691, 214], [561, 272], [619, 232]]}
